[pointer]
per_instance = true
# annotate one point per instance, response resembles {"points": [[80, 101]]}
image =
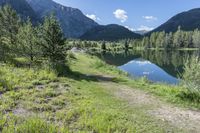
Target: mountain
{"points": [[188, 21], [73, 22], [22, 8], [110, 32]]}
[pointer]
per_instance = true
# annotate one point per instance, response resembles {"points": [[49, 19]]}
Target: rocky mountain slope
{"points": [[74, 23], [22, 8]]}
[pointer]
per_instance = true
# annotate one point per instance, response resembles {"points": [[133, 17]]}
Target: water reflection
{"points": [[143, 68], [170, 62]]}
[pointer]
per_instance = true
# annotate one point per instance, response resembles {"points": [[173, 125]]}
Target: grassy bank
{"points": [[36, 100], [172, 94]]}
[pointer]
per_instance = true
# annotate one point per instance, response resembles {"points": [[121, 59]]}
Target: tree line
{"points": [[179, 39], [157, 40], [19, 38]]}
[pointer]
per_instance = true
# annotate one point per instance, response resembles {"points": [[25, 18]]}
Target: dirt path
{"points": [[181, 118]]}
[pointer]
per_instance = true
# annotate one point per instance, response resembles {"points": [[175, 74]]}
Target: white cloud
{"points": [[93, 17], [150, 18], [143, 27], [121, 15], [128, 27]]}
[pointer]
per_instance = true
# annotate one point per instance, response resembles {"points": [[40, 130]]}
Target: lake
{"points": [[156, 66]]}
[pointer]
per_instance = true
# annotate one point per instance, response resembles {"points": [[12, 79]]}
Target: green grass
{"points": [[170, 93], [36, 100], [15, 78]]}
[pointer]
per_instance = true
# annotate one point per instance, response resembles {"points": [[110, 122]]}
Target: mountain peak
{"points": [[188, 20], [73, 22]]}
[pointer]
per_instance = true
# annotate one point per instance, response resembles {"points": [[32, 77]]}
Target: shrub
{"points": [[191, 78], [60, 68]]}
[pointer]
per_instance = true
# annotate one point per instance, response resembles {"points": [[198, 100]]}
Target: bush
{"points": [[191, 78], [60, 68]]}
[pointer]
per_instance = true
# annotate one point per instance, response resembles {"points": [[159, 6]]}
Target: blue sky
{"points": [[135, 14]]}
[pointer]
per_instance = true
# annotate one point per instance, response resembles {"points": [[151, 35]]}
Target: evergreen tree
{"points": [[196, 38], [9, 25], [168, 40], [145, 42], [153, 39], [160, 40], [52, 40], [53, 45], [103, 46], [187, 39], [27, 41], [126, 45], [178, 38]]}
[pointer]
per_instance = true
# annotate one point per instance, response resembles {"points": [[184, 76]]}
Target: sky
{"points": [[133, 14]]}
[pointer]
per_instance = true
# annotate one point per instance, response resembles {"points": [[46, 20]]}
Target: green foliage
{"points": [[191, 78], [20, 62], [178, 39], [52, 40], [76, 102], [27, 41], [14, 78], [126, 45], [196, 38], [52, 43], [76, 105], [61, 69], [103, 45], [9, 25]]}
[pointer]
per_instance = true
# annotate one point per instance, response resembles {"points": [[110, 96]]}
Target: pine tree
{"points": [[145, 42], [187, 39], [178, 38], [52, 44], [52, 41], [126, 45], [168, 40], [153, 39], [27, 41], [103, 46], [9, 25], [196, 38], [160, 40]]}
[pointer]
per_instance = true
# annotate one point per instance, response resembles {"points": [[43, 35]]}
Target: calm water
{"points": [[157, 66], [144, 68]]}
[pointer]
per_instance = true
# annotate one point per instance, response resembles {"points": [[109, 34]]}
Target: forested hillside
{"points": [[188, 21], [109, 33]]}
